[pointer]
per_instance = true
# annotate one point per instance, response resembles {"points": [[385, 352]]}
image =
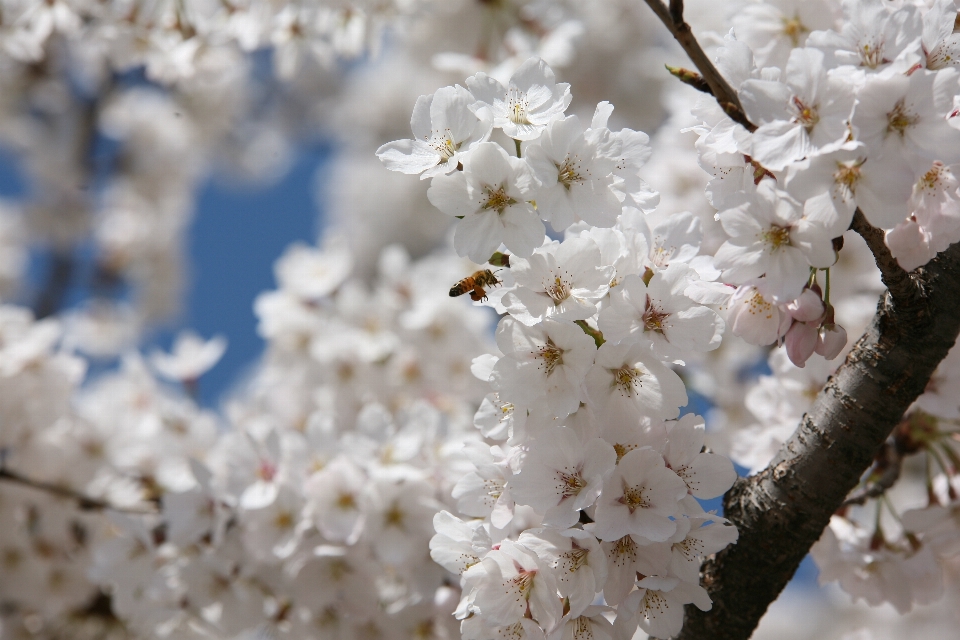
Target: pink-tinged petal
{"points": [[800, 341], [709, 475]]}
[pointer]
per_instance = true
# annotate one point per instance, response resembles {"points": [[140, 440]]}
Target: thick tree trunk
{"points": [[783, 510]]}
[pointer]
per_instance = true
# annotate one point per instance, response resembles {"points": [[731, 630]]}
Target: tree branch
{"points": [[900, 284], [726, 96], [84, 502], [884, 473], [51, 297], [783, 510]]}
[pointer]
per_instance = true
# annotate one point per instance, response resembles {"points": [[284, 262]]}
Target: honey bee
{"points": [[475, 284]]}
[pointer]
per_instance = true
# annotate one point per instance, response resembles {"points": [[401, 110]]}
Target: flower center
{"points": [[394, 517], [572, 560], [570, 484], [346, 501], [689, 547], [931, 179], [627, 379], [283, 520], [847, 175], [900, 118], [805, 114], [776, 237], [582, 629], [757, 304], [624, 551], [494, 489], [653, 600], [623, 449], [552, 355], [497, 199], [523, 581], [940, 57], [871, 53], [568, 173], [634, 499], [653, 317], [559, 290], [794, 29], [517, 107], [444, 145]]}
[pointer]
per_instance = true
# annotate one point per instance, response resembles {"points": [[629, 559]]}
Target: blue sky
{"points": [[238, 233]]}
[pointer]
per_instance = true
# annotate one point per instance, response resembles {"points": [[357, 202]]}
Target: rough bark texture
{"points": [[783, 510]]}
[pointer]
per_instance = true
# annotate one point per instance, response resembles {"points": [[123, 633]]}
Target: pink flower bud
{"points": [[801, 340], [831, 341], [807, 308]]}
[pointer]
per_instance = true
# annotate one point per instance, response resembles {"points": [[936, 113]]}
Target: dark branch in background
{"points": [[84, 503], [904, 288], [51, 297], [62, 259], [726, 96]]}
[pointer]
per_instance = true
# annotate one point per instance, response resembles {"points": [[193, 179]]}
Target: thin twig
{"points": [[676, 11], [672, 18], [882, 475], [84, 502], [903, 288]]}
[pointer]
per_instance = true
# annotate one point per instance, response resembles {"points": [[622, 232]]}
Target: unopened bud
{"points": [[800, 341], [807, 308], [831, 341]]}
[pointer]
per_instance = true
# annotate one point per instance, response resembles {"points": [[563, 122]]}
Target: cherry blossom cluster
{"points": [[862, 117], [551, 475], [854, 113], [588, 478], [894, 549], [118, 111], [305, 510]]}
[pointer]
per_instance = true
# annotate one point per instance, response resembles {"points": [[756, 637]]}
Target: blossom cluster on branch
{"points": [[401, 463]]}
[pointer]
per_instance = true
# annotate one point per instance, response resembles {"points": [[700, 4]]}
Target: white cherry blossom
{"points": [[640, 498], [659, 602], [805, 115], [543, 366], [444, 130], [575, 172], [901, 117], [190, 357], [560, 476], [512, 579], [755, 318], [831, 187], [490, 194], [560, 280], [529, 102], [873, 36], [576, 557], [770, 237], [628, 382], [659, 314]]}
